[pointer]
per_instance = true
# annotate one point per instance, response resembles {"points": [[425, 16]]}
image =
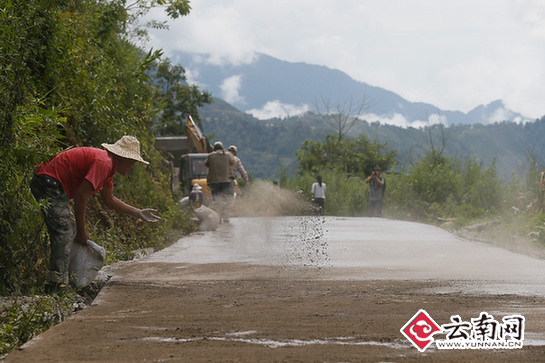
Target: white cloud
{"points": [[230, 90], [453, 54], [278, 109], [532, 15], [400, 121], [436, 119], [192, 76], [501, 114]]}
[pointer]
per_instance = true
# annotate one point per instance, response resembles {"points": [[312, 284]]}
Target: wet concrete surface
{"points": [[362, 248], [299, 289]]}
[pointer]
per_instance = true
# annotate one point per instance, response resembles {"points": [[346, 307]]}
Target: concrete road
{"points": [[362, 248], [402, 265]]}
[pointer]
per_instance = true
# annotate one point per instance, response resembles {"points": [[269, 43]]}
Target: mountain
{"points": [[266, 148], [269, 87]]}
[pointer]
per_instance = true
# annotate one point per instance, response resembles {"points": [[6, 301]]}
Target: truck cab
{"points": [[193, 170], [187, 155]]}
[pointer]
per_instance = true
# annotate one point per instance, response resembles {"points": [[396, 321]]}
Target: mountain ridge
{"points": [[293, 88], [268, 147]]}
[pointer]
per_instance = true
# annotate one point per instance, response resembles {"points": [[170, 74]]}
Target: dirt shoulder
{"points": [[509, 235], [251, 319]]}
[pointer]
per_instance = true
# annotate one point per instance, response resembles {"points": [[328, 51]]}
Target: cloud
{"points": [[453, 54], [222, 29], [230, 90], [501, 114], [398, 120], [278, 109], [532, 14], [192, 76]]}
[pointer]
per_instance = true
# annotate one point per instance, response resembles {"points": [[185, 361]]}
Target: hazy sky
{"points": [[455, 55]]}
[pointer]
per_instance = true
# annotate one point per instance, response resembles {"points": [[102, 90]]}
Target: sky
{"points": [[455, 55]]}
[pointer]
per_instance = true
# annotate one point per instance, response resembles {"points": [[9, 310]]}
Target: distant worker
{"points": [[377, 186], [219, 163], [318, 196], [77, 174], [196, 197], [238, 167]]}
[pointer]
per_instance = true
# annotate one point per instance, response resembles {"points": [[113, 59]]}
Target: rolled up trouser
{"points": [[60, 223]]}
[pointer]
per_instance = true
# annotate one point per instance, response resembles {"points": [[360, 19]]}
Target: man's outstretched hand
{"points": [[147, 215]]}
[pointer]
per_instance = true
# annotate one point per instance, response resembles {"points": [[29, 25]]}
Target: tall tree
{"points": [[353, 157], [341, 116], [71, 75], [178, 99]]}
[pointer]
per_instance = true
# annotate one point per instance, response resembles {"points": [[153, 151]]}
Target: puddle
{"points": [[534, 339], [242, 333], [531, 339], [149, 328], [272, 343]]}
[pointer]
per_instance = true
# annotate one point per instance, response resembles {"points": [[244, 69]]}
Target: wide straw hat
{"points": [[126, 147]]}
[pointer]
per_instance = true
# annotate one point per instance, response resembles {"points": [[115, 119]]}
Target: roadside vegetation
{"points": [[460, 194], [71, 74]]}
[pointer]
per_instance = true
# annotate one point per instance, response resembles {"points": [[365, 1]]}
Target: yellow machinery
{"points": [[188, 155], [192, 168]]}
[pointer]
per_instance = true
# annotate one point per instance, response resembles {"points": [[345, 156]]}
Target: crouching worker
{"points": [[196, 197], [206, 218], [77, 174]]}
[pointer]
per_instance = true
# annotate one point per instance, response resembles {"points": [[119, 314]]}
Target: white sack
{"points": [[85, 262], [208, 218]]}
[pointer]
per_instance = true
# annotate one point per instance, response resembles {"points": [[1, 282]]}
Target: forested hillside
{"points": [[267, 146], [264, 147], [72, 75]]}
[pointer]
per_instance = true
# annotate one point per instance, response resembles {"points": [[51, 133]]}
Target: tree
{"points": [[22, 49], [436, 151], [444, 187], [71, 76], [341, 116], [173, 8], [353, 157], [29, 131], [177, 98]]}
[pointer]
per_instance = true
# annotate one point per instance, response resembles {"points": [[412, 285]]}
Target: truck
{"points": [[187, 155], [192, 168]]}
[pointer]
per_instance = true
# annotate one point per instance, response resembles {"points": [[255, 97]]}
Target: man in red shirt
{"points": [[77, 174]]}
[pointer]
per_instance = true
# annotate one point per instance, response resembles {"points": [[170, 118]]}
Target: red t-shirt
{"points": [[71, 167]]}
